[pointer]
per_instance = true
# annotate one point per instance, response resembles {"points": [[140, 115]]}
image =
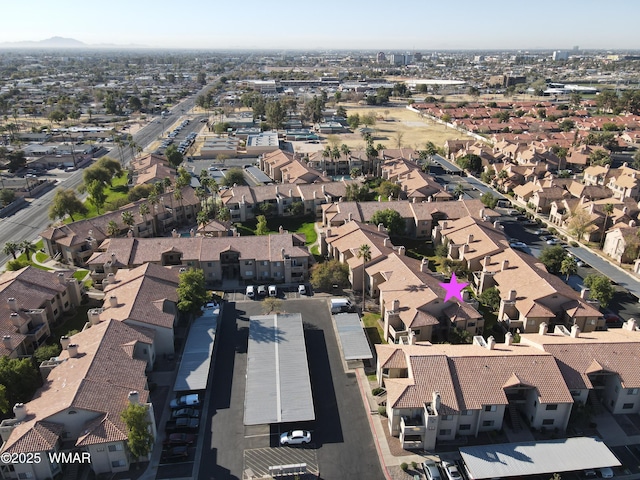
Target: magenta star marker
{"points": [[453, 288]]}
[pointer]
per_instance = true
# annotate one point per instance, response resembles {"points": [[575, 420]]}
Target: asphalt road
{"points": [[340, 434]]}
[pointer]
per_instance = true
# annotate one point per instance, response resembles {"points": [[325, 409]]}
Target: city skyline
{"points": [[333, 25]]}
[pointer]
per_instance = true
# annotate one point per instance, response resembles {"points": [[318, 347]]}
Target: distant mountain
{"points": [[61, 42]]}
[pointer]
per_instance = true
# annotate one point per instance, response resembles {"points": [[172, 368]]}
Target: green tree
{"points": [[568, 267], [174, 157], [636, 160], [65, 202], [353, 121], [140, 439], [490, 298], [608, 211], [356, 193], [96, 173], [28, 248], [112, 228], [18, 264], [261, 227], [364, 252], [45, 352], [97, 196], [567, 125], [489, 200], [10, 248], [6, 196], [579, 222], [17, 160], [458, 192], [324, 275], [471, 162], [271, 304], [234, 176], [389, 189], [391, 219], [297, 208], [112, 165], [601, 288], [20, 379], [127, 218], [599, 157], [276, 114], [192, 293], [552, 257]]}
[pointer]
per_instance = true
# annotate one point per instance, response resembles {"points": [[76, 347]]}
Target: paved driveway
{"points": [[341, 432]]}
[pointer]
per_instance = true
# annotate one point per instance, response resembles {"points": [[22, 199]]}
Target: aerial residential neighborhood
{"points": [[234, 255]]}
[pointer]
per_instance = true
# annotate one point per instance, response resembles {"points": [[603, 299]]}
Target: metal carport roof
{"points": [[196, 358], [278, 386], [537, 458], [352, 337]]}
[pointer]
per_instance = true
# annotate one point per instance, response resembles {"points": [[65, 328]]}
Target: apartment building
{"points": [[31, 302], [438, 392], [281, 258], [99, 372], [75, 242]]}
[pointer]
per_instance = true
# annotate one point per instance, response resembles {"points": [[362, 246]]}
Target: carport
{"points": [[278, 386], [536, 458], [198, 350], [353, 340]]}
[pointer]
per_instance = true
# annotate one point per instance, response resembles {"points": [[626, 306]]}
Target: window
{"points": [[466, 413], [548, 421], [115, 448], [628, 406], [632, 391], [552, 406], [488, 423], [575, 393], [445, 431], [25, 475], [466, 426], [209, 264], [471, 324], [446, 418], [490, 408], [118, 463], [66, 304]]}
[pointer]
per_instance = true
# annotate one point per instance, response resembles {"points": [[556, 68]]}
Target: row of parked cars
{"points": [[260, 291], [182, 428]]}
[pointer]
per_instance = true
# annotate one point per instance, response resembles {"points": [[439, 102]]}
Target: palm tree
{"points": [[127, 218], [177, 194], [10, 248], [364, 252], [459, 190], [569, 267], [201, 194], [112, 228], [202, 218], [28, 248], [144, 211], [345, 150], [608, 210]]}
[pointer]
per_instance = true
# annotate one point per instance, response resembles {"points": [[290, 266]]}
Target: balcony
{"points": [[412, 444], [396, 334], [412, 426], [37, 333]]}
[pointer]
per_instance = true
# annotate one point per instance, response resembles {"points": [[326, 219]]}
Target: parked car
{"points": [[302, 289], [606, 472], [431, 471], [295, 437], [175, 454], [589, 473], [451, 470], [273, 291], [262, 291], [180, 439], [518, 245], [191, 400], [612, 318], [182, 425], [250, 291], [187, 412], [552, 241]]}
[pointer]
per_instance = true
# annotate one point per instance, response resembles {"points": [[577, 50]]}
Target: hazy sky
{"points": [[330, 24]]}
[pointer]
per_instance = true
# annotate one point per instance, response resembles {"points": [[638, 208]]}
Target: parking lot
{"points": [[341, 437]]}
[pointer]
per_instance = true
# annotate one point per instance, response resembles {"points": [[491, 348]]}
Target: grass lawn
{"points": [[373, 327], [80, 274], [41, 256], [23, 258], [118, 190], [303, 225]]}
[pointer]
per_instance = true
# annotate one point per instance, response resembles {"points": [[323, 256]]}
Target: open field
{"points": [[394, 119]]}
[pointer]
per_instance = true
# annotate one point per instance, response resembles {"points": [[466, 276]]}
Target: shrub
{"points": [[377, 391], [573, 244], [404, 466], [382, 410], [414, 465], [553, 231]]}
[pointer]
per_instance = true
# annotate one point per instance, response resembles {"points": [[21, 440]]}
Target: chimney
{"points": [[350, 216], [64, 342], [625, 210], [585, 293], [508, 338], [328, 232], [7, 342], [134, 397], [324, 189], [113, 301], [542, 329], [290, 193], [13, 304], [470, 238], [314, 195], [491, 343], [465, 248], [575, 331], [496, 224], [424, 265], [130, 234], [401, 250], [505, 265], [113, 258], [192, 233], [72, 349], [111, 278], [435, 403], [512, 295], [282, 252], [174, 233], [381, 227], [20, 411], [444, 224], [386, 242], [243, 200], [395, 306], [16, 320], [61, 277], [630, 324], [487, 262], [481, 213], [277, 190], [94, 316]]}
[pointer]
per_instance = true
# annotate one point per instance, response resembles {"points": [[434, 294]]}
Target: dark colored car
{"points": [[612, 318], [186, 412], [175, 454], [180, 439], [181, 425]]}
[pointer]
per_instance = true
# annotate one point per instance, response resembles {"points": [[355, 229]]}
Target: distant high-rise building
{"points": [[560, 55], [380, 57], [478, 58], [417, 56], [396, 59]]}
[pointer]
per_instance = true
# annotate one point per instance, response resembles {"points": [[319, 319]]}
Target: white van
{"points": [[250, 292], [273, 291], [340, 305]]}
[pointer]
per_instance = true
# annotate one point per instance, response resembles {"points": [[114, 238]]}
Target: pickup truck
{"points": [[182, 425]]}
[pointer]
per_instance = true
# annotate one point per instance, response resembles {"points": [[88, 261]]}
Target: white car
{"points": [[451, 470], [552, 241], [606, 472], [262, 291], [192, 400], [302, 290], [250, 291], [295, 437], [431, 470], [518, 245], [273, 291]]}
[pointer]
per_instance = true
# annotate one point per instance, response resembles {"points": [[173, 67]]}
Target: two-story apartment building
{"points": [[99, 372]]}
